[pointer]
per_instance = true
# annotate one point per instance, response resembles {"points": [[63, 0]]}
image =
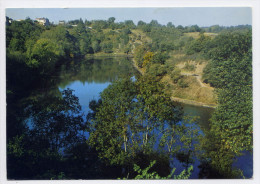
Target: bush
{"points": [[176, 75], [157, 70], [182, 83], [189, 67], [159, 58]]}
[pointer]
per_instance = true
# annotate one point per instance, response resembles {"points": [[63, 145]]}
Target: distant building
{"points": [[61, 22], [43, 21]]}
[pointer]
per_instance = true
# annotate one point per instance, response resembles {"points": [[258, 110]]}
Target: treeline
{"points": [[230, 71]]}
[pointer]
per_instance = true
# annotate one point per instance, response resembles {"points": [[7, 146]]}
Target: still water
{"points": [[90, 77]]}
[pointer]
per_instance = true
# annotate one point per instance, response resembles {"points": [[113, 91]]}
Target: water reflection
{"points": [[90, 77], [203, 114]]}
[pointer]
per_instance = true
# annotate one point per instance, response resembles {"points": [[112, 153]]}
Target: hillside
{"points": [[195, 92], [189, 86]]}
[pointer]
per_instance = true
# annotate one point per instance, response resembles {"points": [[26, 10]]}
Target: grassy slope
{"points": [[197, 92]]}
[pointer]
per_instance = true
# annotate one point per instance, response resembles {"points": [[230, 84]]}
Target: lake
{"points": [[89, 77]]}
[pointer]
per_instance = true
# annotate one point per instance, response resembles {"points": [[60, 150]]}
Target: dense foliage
{"points": [[230, 70]]}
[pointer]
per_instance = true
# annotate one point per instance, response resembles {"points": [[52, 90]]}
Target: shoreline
{"points": [[108, 55], [137, 68], [193, 103]]}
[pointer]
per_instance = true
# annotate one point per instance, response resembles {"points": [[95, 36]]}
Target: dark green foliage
{"points": [[146, 28], [127, 31], [232, 123], [176, 75], [180, 27], [159, 58], [169, 24], [182, 83], [82, 40], [44, 55], [156, 70], [141, 23], [219, 29], [231, 61], [111, 20], [99, 24], [194, 28], [231, 45], [129, 24], [163, 38], [198, 45], [19, 32], [75, 22]]}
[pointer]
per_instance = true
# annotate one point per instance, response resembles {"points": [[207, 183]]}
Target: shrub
{"points": [[182, 83], [189, 67], [176, 75]]}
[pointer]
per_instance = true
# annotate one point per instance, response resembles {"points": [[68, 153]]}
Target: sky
{"points": [[201, 16]]}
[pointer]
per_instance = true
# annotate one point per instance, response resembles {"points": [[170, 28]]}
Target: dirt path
{"points": [[197, 73]]}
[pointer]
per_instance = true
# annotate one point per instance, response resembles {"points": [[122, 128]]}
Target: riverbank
{"points": [[181, 100], [192, 102], [141, 71], [101, 54]]}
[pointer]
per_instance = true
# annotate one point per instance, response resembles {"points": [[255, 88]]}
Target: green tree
{"points": [[61, 37], [111, 20], [198, 45], [45, 54], [157, 70], [129, 24], [125, 119], [170, 25], [160, 58]]}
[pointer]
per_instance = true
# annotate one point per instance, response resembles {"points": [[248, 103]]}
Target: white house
{"points": [[43, 21]]}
